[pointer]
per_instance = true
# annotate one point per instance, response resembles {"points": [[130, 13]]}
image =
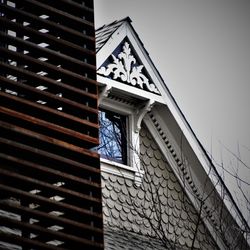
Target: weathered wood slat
{"points": [[61, 15], [47, 218], [43, 212], [36, 124], [36, 36], [57, 161], [25, 242], [36, 80], [53, 56], [47, 142], [50, 187], [52, 174], [29, 183], [68, 17], [35, 94], [39, 111], [51, 204], [74, 4], [39, 23], [55, 234], [51, 100]]}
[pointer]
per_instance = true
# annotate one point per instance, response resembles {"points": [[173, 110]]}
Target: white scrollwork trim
{"points": [[124, 67]]}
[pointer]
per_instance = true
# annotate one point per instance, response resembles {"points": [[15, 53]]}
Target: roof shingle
{"points": [[105, 32]]}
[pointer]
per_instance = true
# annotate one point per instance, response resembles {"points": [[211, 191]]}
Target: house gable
{"points": [[159, 113], [126, 68], [124, 42]]}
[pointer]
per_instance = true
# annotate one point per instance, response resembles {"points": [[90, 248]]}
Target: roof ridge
{"points": [[127, 19], [104, 33]]}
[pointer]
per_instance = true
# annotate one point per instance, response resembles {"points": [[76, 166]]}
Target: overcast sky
{"points": [[202, 51]]}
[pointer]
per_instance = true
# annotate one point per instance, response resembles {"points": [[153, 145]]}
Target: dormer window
{"points": [[113, 136], [120, 118], [127, 92]]}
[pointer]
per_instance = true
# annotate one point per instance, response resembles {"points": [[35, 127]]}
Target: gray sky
{"points": [[202, 51]]}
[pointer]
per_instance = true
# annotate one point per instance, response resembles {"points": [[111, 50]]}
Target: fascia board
{"points": [[200, 153], [132, 91], [175, 167]]}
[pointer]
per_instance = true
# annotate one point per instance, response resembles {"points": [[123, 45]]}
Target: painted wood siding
{"points": [[158, 209]]}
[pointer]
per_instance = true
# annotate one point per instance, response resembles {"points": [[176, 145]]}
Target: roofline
{"points": [[125, 19], [193, 133], [186, 123]]}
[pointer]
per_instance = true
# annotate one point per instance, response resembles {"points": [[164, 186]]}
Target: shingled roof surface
{"points": [[105, 32]]}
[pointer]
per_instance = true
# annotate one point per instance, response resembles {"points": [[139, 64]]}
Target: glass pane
{"points": [[113, 143]]}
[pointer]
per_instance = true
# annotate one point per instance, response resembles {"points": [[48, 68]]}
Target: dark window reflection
{"points": [[113, 143]]}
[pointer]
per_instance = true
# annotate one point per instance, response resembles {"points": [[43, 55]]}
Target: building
{"points": [[160, 189], [50, 194]]}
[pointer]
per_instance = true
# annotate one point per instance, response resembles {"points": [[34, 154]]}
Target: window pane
{"points": [[113, 143]]}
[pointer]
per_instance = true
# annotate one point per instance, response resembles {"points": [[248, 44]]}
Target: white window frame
{"points": [[133, 169], [124, 147]]}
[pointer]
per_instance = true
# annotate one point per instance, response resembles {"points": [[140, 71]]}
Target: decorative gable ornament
{"points": [[126, 68]]}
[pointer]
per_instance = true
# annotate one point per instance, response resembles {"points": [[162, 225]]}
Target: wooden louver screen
{"points": [[50, 195]]}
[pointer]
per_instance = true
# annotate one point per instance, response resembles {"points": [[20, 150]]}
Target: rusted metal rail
{"points": [[50, 194]]}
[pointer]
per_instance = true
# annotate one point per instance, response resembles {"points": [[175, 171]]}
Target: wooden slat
{"points": [[17, 209], [56, 160], [29, 183], [36, 36], [54, 56], [35, 94], [52, 84], [27, 243], [35, 107], [73, 4], [47, 127], [55, 234], [47, 143], [39, 23], [54, 174], [45, 217], [61, 15], [49, 174]]}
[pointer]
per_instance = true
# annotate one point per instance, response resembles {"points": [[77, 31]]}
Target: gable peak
{"points": [[125, 67], [105, 32]]}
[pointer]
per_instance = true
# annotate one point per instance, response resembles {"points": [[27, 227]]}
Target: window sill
{"points": [[122, 170]]}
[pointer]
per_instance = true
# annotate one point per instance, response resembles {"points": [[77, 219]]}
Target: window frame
{"points": [[124, 147], [132, 169]]}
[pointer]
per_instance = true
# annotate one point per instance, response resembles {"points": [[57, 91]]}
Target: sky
{"points": [[202, 51]]}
